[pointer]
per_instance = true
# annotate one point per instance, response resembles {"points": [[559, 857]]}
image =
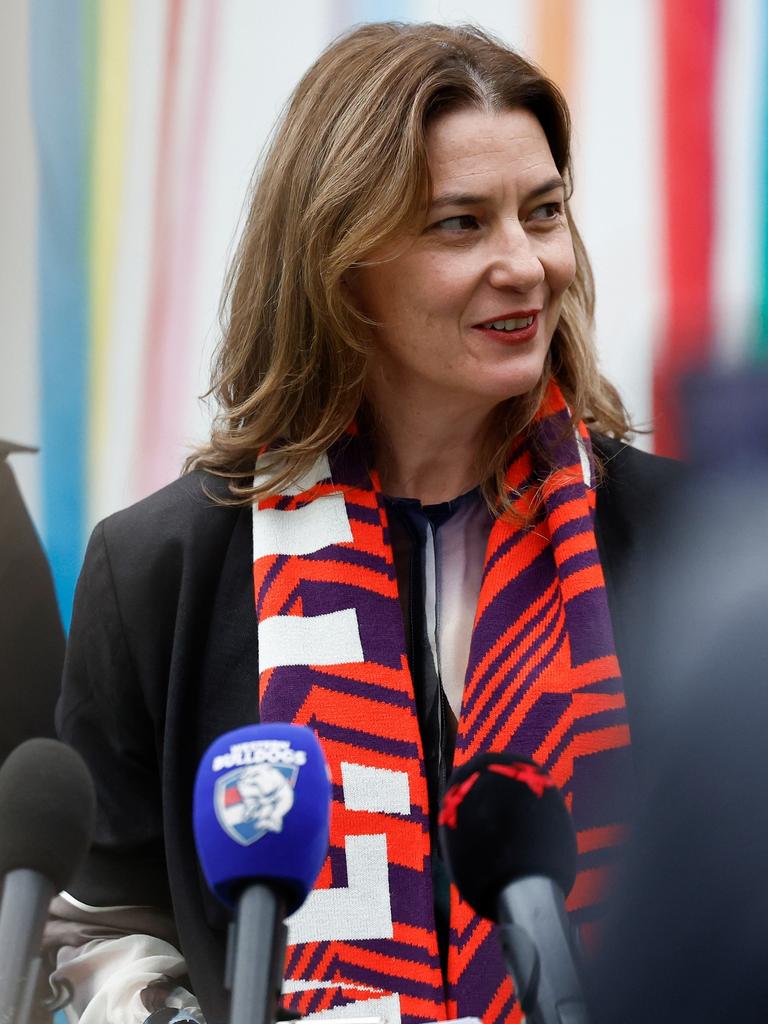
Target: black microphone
{"points": [[47, 808], [510, 846]]}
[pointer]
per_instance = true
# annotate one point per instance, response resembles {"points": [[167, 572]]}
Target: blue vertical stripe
{"points": [[60, 59], [382, 10]]}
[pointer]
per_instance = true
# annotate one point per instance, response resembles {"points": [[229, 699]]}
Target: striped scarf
{"points": [[542, 680]]}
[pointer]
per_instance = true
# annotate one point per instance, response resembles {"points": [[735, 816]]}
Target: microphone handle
{"points": [[23, 912], [535, 936], [257, 963]]}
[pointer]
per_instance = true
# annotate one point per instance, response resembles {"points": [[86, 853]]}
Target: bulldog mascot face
{"points": [[253, 800], [267, 796]]}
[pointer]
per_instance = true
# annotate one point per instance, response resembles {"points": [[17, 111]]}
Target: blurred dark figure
{"points": [[687, 938], [31, 635]]}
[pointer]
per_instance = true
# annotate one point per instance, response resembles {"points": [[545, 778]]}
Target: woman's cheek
{"points": [[563, 266]]}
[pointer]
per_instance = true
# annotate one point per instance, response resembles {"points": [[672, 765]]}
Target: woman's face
{"points": [[467, 306]]}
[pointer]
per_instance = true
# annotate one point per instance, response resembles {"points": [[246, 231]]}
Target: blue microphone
{"points": [[261, 817]]}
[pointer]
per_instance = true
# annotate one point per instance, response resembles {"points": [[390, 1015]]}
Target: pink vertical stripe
{"points": [[160, 258], [168, 379]]}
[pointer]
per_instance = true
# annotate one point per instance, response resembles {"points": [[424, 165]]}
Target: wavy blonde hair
{"points": [[346, 172]]}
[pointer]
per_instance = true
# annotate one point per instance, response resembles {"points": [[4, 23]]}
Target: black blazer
{"points": [[162, 659]]}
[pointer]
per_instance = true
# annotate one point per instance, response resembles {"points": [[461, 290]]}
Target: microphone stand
{"points": [[23, 912], [548, 988], [255, 973]]}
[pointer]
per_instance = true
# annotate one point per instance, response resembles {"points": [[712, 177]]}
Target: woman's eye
{"points": [[464, 222], [547, 211]]}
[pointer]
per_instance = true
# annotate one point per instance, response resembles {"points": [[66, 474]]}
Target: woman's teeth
{"points": [[509, 325]]}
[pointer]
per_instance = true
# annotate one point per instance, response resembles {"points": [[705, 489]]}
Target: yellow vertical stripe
{"points": [[110, 114], [554, 36]]}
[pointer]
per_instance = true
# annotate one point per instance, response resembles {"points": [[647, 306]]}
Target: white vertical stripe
{"points": [[362, 1011], [332, 639], [19, 357], [308, 984], [386, 1009], [508, 19], [180, 334], [461, 544], [586, 469], [430, 596], [263, 52], [618, 199], [301, 531], [360, 910], [739, 174], [375, 789], [321, 470]]}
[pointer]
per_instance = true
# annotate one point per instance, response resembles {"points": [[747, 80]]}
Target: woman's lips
{"points": [[514, 337]]}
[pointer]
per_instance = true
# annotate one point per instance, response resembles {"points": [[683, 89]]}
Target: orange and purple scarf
{"points": [[542, 680]]}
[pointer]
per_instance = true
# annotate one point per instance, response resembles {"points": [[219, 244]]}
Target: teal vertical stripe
{"points": [[761, 334], [59, 62]]}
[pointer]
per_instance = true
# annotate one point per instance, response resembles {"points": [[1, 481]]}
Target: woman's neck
{"points": [[431, 457]]}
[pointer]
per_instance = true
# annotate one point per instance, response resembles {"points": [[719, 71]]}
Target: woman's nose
{"points": [[514, 263]]}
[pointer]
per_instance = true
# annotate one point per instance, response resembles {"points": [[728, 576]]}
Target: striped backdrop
{"points": [[145, 118]]}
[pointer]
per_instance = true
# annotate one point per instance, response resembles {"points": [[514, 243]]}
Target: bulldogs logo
{"points": [[253, 800]]}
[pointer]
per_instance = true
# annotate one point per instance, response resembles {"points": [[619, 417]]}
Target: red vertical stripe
{"points": [[689, 53]]}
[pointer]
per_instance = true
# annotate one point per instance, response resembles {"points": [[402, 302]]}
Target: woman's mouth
{"points": [[512, 327]]}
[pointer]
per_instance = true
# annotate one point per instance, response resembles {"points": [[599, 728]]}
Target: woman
{"points": [[407, 360]]}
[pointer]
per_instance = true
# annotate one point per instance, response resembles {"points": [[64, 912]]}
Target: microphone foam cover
{"points": [[47, 810], [503, 819], [262, 810]]}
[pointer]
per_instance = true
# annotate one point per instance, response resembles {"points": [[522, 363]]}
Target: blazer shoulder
{"points": [[633, 477], [150, 577], [185, 514]]}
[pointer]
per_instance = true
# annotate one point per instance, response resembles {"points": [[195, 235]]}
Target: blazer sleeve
{"points": [[144, 609], [113, 934], [103, 714]]}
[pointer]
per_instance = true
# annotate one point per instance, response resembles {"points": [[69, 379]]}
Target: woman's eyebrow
{"points": [[457, 199], [474, 199], [547, 186]]}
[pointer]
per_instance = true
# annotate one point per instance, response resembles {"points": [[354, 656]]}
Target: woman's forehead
{"points": [[471, 151]]}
